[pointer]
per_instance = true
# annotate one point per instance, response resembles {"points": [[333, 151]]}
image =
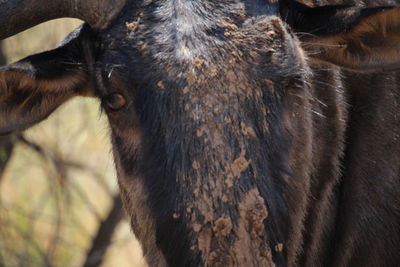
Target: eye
{"points": [[115, 101]]}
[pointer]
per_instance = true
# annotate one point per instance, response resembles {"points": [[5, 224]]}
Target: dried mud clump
{"points": [[132, 26], [222, 227], [212, 243], [252, 239], [244, 243], [236, 168], [247, 130]]}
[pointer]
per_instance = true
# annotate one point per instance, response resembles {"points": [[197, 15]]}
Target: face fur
{"points": [[204, 96]]}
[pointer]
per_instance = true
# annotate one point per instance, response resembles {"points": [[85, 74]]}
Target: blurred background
{"points": [[59, 203]]}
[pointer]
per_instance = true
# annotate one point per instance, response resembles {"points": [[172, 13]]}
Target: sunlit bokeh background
{"points": [[59, 184]]}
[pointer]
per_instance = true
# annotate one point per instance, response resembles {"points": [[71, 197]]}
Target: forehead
{"points": [[250, 7], [183, 30], [187, 17]]}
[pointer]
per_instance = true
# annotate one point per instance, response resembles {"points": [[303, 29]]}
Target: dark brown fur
{"points": [[236, 142]]}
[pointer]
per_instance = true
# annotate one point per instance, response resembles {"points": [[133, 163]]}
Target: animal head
{"points": [[165, 47], [196, 93]]}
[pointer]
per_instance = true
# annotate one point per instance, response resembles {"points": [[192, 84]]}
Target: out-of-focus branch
{"points": [[102, 240], [62, 164], [6, 148], [3, 59], [7, 141], [29, 241]]}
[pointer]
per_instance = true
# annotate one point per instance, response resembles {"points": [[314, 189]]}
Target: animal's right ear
{"points": [[31, 89], [356, 38]]}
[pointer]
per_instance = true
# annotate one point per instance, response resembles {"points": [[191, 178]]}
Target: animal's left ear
{"points": [[356, 38], [31, 89]]}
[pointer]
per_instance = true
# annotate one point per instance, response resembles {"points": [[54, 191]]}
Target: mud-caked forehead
{"points": [[165, 38], [180, 19]]}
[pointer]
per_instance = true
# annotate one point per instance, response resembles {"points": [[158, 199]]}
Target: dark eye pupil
{"points": [[115, 101]]}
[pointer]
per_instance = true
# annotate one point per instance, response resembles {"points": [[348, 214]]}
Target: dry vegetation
{"points": [[60, 182]]}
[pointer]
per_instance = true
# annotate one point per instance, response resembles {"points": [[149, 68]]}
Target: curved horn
{"points": [[19, 15]]}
